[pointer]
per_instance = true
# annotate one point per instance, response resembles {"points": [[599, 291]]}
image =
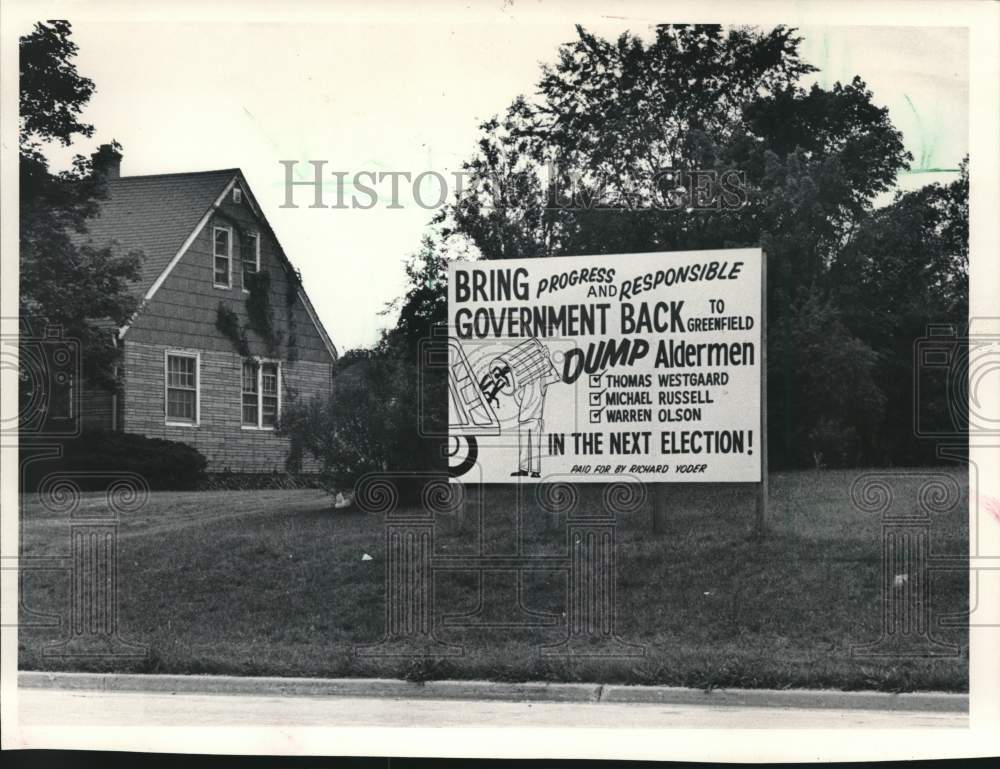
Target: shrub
{"points": [[374, 421], [167, 465]]}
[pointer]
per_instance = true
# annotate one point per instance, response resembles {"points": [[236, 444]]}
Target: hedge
{"points": [[167, 465]]}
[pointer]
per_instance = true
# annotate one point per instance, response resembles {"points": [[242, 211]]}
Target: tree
{"points": [[350, 433], [410, 354], [606, 159], [906, 268], [609, 156], [64, 281], [388, 410], [625, 126], [833, 423], [423, 307]]}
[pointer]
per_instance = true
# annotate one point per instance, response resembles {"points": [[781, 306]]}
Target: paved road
{"points": [[97, 708]]}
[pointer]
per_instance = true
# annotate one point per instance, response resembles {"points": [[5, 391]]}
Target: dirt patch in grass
{"points": [[275, 583]]}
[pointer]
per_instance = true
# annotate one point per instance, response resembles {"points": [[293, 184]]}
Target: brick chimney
{"points": [[107, 161]]}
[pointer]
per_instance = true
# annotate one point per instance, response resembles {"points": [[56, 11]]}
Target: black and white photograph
{"points": [[501, 380]]}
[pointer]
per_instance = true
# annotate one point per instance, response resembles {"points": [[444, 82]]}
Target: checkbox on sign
{"points": [[595, 416], [595, 398], [595, 380]]}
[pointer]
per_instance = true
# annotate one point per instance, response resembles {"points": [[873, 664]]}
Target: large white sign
{"points": [[577, 368]]}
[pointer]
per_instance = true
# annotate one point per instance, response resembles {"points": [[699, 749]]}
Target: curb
{"points": [[312, 687], [937, 702], [820, 699]]}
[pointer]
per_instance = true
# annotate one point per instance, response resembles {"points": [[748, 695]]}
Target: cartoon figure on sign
{"points": [[524, 373]]}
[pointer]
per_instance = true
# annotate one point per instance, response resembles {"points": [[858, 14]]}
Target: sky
{"points": [[367, 97]]}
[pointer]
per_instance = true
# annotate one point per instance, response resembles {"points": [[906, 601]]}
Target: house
{"points": [[225, 337]]}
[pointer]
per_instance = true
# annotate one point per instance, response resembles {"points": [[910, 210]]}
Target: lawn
{"points": [[276, 583]]}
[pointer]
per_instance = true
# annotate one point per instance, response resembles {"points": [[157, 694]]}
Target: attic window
{"points": [[250, 253], [237, 195], [222, 262]]}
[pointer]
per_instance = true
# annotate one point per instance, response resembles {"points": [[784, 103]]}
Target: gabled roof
{"points": [[155, 214], [161, 215]]}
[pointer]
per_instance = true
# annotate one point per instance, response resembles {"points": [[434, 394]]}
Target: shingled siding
{"points": [[183, 314], [219, 436], [183, 311]]}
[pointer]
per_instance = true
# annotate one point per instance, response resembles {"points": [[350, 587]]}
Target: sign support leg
{"points": [[760, 521]]}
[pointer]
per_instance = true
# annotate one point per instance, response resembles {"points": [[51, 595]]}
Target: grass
{"points": [[273, 583]]}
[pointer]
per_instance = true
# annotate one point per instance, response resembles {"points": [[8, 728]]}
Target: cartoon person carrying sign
{"points": [[524, 372]]}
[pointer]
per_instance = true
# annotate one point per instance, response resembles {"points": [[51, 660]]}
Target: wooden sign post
{"points": [[760, 522]]}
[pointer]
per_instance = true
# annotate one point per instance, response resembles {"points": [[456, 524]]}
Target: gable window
{"points": [[261, 394], [237, 195], [250, 248], [223, 257], [181, 374]]}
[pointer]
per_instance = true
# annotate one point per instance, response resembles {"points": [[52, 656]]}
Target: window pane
{"points": [[249, 377], [250, 410], [182, 380], [180, 371], [269, 379], [250, 253], [249, 268], [181, 404], [222, 243], [250, 406], [221, 271], [222, 254], [180, 363], [270, 411]]}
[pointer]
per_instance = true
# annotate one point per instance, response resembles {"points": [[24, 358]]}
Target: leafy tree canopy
{"points": [[609, 156], [65, 281], [606, 156]]}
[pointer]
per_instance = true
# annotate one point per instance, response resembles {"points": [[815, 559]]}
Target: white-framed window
{"points": [[182, 383], [222, 257], [251, 393], [261, 394], [250, 256], [237, 195]]}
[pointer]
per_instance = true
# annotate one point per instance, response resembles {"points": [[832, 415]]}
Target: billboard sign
{"points": [[583, 367]]}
